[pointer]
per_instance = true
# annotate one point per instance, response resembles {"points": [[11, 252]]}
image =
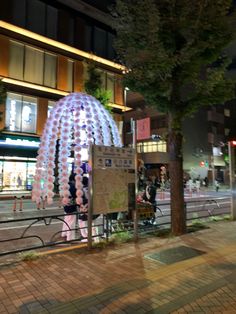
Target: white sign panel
{"points": [[113, 158], [113, 177]]}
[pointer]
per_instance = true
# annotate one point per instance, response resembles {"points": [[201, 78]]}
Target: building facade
{"points": [[45, 47], [205, 150]]}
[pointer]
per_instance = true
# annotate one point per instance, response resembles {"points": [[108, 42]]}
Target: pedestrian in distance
{"points": [[217, 185], [150, 197]]}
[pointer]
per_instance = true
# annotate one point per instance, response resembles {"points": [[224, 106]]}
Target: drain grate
{"points": [[174, 255]]}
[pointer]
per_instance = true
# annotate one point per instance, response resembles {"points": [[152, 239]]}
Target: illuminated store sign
{"points": [[19, 142]]}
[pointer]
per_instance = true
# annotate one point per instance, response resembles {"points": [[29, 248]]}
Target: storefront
{"points": [[17, 162]]}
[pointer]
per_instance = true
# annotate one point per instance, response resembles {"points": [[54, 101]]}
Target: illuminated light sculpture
{"points": [[80, 120]]}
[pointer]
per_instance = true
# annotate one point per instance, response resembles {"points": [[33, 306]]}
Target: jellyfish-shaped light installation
{"points": [[77, 121]]}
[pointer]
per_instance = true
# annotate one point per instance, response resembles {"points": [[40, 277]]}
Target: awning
{"points": [[219, 161]]}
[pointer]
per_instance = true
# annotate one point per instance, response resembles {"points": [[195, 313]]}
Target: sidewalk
{"points": [[147, 277]]}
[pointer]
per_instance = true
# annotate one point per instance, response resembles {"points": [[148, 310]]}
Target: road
{"points": [[6, 206]]}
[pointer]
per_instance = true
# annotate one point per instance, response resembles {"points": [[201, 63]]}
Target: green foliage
{"points": [[227, 217], [216, 218], [93, 86], [163, 233], [173, 50], [28, 256], [120, 237], [196, 226]]}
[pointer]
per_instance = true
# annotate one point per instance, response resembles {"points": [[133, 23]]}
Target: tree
{"points": [[93, 86], [173, 51]]}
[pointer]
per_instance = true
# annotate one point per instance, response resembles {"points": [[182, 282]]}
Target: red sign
{"points": [[143, 129]]}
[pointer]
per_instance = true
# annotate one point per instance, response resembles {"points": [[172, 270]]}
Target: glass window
{"points": [[227, 132], [99, 40], [14, 175], [152, 147], [51, 23], [33, 65], [19, 12], [16, 62], [65, 27], [70, 74], [50, 67], [51, 104], [13, 112], [21, 112], [110, 49], [36, 12], [88, 36], [227, 112], [30, 175], [29, 108]]}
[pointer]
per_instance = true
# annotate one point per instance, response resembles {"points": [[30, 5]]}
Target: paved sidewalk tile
{"points": [[121, 279]]}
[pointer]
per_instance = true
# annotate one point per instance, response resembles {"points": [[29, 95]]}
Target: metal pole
{"points": [[213, 168], [90, 201], [135, 216], [21, 202], [231, 151]]}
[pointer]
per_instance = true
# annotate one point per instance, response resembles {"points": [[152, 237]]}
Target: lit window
{"points": [[34, 60], [32, 65], [50, 69], [16, 62], [151, 147], [70, 74], [21, 113], [51, 104], [227, 112], [227, 132]]}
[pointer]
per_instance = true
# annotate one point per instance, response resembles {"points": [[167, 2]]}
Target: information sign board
{"points": [[113, 179]]}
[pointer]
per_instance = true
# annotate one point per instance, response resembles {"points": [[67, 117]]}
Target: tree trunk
{"points": [[178, 214]]}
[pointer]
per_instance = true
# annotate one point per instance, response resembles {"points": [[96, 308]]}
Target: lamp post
{"points": [[231, 150]]}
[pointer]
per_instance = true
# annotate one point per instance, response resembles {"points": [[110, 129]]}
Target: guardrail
{"points": [[42, 230], [30, 238]]}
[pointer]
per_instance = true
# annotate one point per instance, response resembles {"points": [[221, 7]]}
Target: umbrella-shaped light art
{"points": [[76, 121]]}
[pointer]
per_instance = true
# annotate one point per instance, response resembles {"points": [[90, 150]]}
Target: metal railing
{"points": [[31, 238], [15, 240]]}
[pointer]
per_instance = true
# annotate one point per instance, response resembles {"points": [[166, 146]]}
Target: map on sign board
{"points": [[113, 173]]}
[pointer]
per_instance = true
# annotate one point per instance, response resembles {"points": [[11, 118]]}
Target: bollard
{"points": [[14, 204], [43, 203], [60, 202], [21, 203]]}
